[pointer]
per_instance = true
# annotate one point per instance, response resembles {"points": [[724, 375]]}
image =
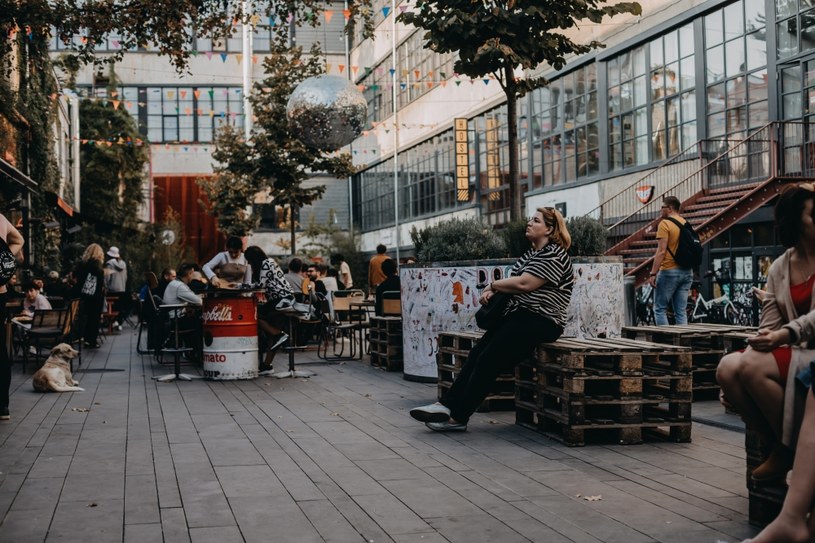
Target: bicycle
{"points": [[720, 310]]}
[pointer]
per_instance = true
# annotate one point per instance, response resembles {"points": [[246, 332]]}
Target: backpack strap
{"points": [[681, 226]]}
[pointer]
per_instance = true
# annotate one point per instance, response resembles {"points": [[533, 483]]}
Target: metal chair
{"points": [[174, 344]]}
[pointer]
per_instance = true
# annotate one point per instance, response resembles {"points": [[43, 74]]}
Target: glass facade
{"points": [[177, 114]]}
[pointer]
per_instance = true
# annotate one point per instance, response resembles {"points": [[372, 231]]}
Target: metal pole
{"points": [[351, 145], [247, 69], [395, 134]]}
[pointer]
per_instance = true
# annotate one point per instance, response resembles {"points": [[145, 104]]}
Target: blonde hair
{"points": [[93, 252], [560, 234]]}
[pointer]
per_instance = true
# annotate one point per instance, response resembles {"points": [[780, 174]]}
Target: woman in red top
{"points": [[759, 382]]}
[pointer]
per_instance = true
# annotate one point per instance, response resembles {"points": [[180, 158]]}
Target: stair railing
{"points": [[745, 161]]}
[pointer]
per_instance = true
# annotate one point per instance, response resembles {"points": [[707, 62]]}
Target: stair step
{"points": [[631, 253], [715, 205], [745, 187], [721, 197]]}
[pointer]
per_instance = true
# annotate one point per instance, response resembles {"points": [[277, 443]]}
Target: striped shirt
{"points": [[551, 300]]}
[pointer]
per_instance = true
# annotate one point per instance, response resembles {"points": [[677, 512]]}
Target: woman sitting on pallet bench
{"points": [[791, 524], [540, 285], [759, 382]]}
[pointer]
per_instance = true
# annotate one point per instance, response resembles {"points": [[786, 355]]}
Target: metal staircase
{"points": [[719, 182]]}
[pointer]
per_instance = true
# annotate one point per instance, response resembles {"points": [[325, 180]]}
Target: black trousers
{"points": [[5, 362], [499, 349]]}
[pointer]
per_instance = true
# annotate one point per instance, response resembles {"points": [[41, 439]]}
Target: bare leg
{"points": [[761, 379], [728, 375], [791, 524], [268, 329]]}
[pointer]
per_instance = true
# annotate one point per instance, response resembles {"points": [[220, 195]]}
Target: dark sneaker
{"points": [[447, 426], [434, 412], [4, 414]]}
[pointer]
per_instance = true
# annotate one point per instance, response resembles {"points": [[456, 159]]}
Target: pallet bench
{"points": [[385, 343], [606, 390], [454, 347], [708, 343]]}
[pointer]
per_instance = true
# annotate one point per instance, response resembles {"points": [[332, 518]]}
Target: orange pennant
{"points": [[342, 67], [355, 69], [197, 93], [328, 15], [115, 104]]}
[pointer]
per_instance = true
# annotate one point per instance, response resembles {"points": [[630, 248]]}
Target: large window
{"points": [[564, 128], [652, 100], [736, 72], [795, 27], [426, 184], [177, 114]]}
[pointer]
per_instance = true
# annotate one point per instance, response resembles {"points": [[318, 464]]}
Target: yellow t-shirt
{"points": [[669, 230]]}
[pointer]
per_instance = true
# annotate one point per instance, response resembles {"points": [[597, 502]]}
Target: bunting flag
{"points": [[346, 13], [209, 55], [223, 57], [328, 15], [386, 10], [115, 104], [239, 58]]}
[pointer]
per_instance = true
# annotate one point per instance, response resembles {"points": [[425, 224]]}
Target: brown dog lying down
{"points": [[55, 374]]}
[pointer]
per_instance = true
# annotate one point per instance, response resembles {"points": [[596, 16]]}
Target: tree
{"points": [[275, 161], [166, 25], [499, 37]]}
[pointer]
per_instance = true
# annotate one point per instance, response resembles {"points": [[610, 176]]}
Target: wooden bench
{"points": [[454, 347], [606, 391], [708, 342]]}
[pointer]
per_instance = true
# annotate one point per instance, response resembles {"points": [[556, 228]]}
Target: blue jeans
{"points": [[672, 287]]}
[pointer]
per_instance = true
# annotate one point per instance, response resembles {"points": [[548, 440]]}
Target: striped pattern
{"points": [[552, 299]]}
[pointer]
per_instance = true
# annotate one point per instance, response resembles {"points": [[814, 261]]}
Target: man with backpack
{"points": [[678, 252]]}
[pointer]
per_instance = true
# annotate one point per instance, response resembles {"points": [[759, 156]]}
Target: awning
{"points": [[10, 172]]}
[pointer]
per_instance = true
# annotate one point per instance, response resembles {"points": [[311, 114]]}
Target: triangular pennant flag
{"points": [[367, 70], [115, 43], [239, 57], [347, 14], [342, 67], [187, 111], [486, 81], [443, 82], [328, 67], [128, 104], [209, 55], [416, 73], [183, 93], [402, 8], [211, 92], [170, 94], [443, 75], [392, 72], [458, 82], [272, 21], [429, 84], [254, 59], [115, 104], [403, 86], [386, 10], [429, 74], [223, 57], [328, 15], [355, 69], [197, 93], [194, 53]]}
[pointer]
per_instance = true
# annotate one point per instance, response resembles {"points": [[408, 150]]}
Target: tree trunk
{"points": [[291, 225], [515, 193]]}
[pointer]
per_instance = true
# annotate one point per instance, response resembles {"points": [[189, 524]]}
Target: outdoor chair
{"points": [[46, 326]]}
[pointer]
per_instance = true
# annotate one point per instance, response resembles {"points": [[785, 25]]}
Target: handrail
{"points": [[746, 161]]}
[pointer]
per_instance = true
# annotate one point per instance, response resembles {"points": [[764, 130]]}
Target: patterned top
{"points": [[552, 299], [274, 281]]}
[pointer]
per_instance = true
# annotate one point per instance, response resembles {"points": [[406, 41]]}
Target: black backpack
{"points": [[689, 250], [8, 264]]}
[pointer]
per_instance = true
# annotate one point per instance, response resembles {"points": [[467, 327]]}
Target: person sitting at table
{"points": [[391, 283], [270, 321], [759, 382], [167, 275], [33, 300], [179, 292], [229, 268]]}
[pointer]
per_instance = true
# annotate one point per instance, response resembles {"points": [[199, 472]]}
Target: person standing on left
{"points": [[90, 289], [12, 237], [670, 281], [116, 284]]}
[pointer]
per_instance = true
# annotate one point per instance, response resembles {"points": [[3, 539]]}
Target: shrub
{"points": [[588, 236], [514, 235], [456, 239]]}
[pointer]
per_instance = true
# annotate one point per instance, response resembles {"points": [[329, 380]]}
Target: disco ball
{"points": [[326, 112]]}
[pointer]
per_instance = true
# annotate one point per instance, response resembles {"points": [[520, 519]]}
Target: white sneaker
{"points": [[32, 350], [118, 327], [434, 412], [447, 426]]}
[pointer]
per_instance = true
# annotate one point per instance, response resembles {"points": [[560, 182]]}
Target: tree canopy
{"points": [[501, 36], [166, 25], [274, 161]]}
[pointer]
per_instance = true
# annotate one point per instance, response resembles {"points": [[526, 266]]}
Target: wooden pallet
{"points": [[385, 343], [765, 499], [454, 347], [701, 336]]}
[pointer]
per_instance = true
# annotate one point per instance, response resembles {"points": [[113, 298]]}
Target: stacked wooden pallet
{"points": [[606, 390], [708, 342], [453, 350], [386, 343], [766, 499]]}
